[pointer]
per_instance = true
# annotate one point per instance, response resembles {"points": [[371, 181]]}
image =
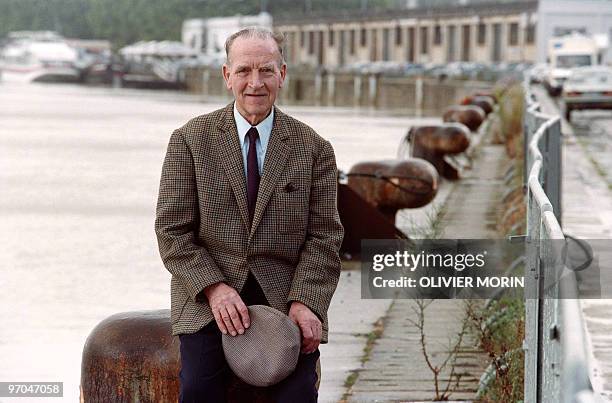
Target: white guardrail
{"points": [[556, 356]]}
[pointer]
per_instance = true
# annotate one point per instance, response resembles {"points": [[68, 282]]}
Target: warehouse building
{"points": [[466, 31]]}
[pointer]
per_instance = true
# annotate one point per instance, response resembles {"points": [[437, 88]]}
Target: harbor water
{"points": [[79, 174]]}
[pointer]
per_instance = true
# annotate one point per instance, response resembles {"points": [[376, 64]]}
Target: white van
{"points": [[568, 52]]}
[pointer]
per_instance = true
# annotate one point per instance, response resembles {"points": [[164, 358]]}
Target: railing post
{"points": [[205, 81], [318, 85], [418, 97], [532, 306], [373, 90], [553, 171], [527, 131], [551, 253], [331, 89], [357, 89]]}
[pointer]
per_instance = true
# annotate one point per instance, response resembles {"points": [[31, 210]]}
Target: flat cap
{"points": [[268, 351]]}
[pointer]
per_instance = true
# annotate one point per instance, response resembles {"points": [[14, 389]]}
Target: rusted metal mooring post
{"points": [[133, 357], [374, 192], [486, 102], [470, 115], [433, 143]]}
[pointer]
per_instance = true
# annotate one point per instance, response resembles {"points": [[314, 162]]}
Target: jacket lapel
{"points": [[230, 152], [274, 163]]}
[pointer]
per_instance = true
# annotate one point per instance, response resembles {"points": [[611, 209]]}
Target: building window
{"points": [[530, 34], [410, 45], [311, 42], [319, 47], [363, 39], [562, 31], [466, 40], [482, 34], [385, 49], [352, 42], [302, 39], [451, 55], [341, 47], [374, 45], [437, 35], [424, 40], [398, 36], [496, 42], [331, 37], [513, 38]]}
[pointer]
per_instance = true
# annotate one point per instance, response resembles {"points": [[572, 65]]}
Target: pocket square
{"points": [[290, 187]]}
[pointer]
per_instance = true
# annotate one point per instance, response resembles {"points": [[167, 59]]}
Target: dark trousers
{"points": [[205, 375]]}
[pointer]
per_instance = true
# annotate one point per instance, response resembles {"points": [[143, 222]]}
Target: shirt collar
{"points": [[264, 128]]}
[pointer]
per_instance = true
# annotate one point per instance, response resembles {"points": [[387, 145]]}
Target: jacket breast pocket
{"points": [[291, 204]]}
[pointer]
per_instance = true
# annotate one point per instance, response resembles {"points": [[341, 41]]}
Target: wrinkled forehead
{"points": [[254, 51]]}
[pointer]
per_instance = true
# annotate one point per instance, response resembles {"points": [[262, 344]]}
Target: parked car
{"points": [[588, 88]]}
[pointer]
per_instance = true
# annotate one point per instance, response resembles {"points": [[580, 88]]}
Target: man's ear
{"points": [[283, 73], [225, 70]]}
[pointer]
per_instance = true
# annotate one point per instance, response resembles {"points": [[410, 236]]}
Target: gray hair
{"points": [[260, 33]]}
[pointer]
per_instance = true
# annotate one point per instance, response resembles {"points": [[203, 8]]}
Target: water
{"points": [[79, 174]]}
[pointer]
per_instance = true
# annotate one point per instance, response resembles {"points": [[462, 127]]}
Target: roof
{"points": [[469, 10]]}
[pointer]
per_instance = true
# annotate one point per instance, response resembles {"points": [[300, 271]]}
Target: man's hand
{"points": [[231, 314], [309, 324]]}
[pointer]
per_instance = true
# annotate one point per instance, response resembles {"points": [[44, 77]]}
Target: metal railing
{"points": [[556, 356]]}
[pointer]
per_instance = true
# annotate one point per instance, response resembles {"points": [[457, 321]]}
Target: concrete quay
{"points": [[396, 369]]}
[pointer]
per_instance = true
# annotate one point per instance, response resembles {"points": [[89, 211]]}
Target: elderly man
{"points": [[247, 215]]}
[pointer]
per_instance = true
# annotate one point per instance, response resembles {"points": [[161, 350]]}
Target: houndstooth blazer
{"points": [[202, 221]]}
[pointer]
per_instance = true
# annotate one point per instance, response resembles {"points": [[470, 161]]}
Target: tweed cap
{"points": [[268, 351]]}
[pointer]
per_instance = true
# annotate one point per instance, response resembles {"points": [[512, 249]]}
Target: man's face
{"points": [[254, 76]]}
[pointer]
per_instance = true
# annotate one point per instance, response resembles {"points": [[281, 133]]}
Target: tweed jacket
{"points": [[202, 220]]}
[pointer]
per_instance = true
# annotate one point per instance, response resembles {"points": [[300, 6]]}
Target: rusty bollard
{"points": [[432, 143], [394, 184], [486, 102], [130, 357], [490, 94], [470, 115], [133, 357]]}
